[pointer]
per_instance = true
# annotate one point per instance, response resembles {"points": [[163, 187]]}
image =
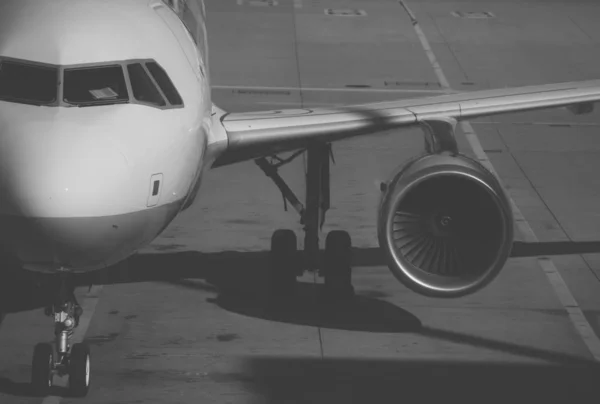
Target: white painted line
{"points": [[345, 12], [428, 51], [561, 289], [88, 304], [334, 90]]}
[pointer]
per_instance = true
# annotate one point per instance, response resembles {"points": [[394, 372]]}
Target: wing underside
{"points": [[258, 134]]}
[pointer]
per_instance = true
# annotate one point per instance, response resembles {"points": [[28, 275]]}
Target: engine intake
{"points": [[445, 225]]}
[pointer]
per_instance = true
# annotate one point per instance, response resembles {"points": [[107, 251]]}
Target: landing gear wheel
{"points": [[283, 267], [336, 266], [79, 370], [42, 369]]}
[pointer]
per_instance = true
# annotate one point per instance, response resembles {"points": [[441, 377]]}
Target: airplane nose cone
{"points": [[86, 177], [65, 196]]}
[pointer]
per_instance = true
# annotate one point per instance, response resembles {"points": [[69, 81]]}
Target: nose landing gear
{"points": [[63, 359]]}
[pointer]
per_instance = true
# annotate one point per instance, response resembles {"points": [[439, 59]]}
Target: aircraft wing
{"points": [[259, 134]]}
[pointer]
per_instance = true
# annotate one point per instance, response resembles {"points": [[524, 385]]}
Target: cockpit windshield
{"points": [[28, 83], [135, 81], [95, 85]]}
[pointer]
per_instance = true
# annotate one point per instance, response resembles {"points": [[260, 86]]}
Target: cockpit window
{"points": [[28, 83], [165, 83], [95, 85], [144, 82], [143, 87]]}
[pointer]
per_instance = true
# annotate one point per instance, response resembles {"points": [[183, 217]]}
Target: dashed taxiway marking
{"points": [[88, 304], [561, 289]]}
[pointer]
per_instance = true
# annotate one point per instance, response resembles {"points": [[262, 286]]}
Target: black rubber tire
{"points": [[42, 369], [337, 265], [79, 370], [283, 263]]}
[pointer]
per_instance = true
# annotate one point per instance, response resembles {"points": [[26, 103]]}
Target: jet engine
{"points": [[445, 225]]}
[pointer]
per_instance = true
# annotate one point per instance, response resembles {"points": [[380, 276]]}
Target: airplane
{"points": [[107, 127]]}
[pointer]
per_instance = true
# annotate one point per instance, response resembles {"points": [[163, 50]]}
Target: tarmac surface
{"points": [[188, 325]]}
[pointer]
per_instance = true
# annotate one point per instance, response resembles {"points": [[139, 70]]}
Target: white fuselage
{"points": [[77, 185]]}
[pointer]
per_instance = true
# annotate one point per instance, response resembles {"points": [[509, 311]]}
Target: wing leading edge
{"points": [[258, 134]]}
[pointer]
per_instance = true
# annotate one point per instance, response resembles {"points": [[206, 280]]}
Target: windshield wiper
{"points": [[95, 103], [24, 101]]}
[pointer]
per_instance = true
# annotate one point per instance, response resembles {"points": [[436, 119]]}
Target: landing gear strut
{"points": [[286, 264], [62, 359]]}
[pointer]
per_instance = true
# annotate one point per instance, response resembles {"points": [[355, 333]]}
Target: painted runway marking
{"points": [[428, 51], [561, 289], [345, 12], [334, 90], [89, 303], [473, 14]]}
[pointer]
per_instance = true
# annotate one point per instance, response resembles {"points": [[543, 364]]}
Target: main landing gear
{"points": [[62, 359], [286, 262]]}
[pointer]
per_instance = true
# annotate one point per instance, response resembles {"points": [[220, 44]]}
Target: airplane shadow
{"points": [[24, 389], [238, 281], [19, 389], [359, 314], [20, 292], [349, 380], [543, 248], [235, 274], [240, 284]]}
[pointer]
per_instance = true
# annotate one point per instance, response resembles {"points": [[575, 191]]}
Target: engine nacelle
{"points": [[445, 225]]}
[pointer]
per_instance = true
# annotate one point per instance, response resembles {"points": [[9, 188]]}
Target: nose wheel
{"points": [[79, 370], [76, 365], [42, 369], [62, 360]]}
